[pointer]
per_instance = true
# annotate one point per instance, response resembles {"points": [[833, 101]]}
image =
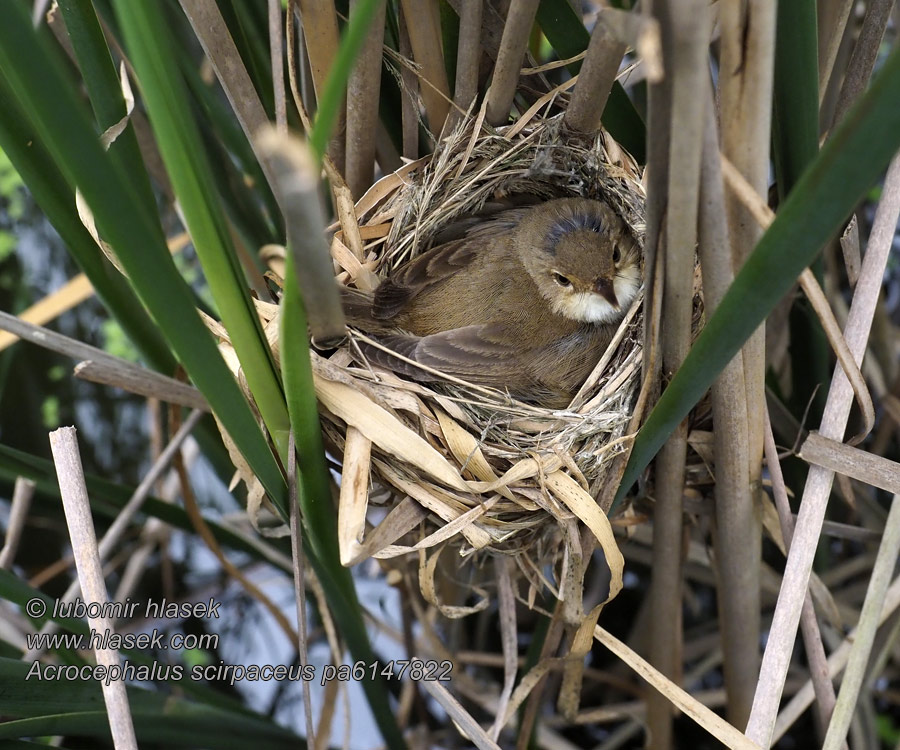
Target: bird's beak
{"points": [[604, 288]]}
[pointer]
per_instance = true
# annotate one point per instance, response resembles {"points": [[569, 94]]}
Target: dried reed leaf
{"points": [[467, 451], [427, 566], [476, 536], [387, 185], [705, 717], [388, 432], [585, 507], [468, 727], [354, 496], [401, 520], [508, 636]]}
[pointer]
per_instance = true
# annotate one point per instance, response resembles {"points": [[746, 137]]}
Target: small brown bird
{"points": [[526, 301]]}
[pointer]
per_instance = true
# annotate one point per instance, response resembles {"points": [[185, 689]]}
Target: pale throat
{"points": [[590, 307], [586, 307]]}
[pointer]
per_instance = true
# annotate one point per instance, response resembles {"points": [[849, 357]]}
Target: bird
{"points": [[525, 301]]}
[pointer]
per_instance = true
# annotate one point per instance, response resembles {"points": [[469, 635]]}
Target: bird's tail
{"points": [[357, 306]]}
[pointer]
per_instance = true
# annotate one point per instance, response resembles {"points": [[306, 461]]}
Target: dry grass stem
{"points": [[102, 367], [865, 631], [513, 45], [206, 534], [213, 34], [143, 382], [469, 728], [320, 31], [363, 93], [705, 717], [506, 602], [844, 459], [77, 507], [409, 99], [764, 217], [818, 484], [809, 625], [18, 514], [803, 697]]}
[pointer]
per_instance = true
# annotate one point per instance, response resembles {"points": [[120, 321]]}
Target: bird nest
{"points": [[427, 466]]}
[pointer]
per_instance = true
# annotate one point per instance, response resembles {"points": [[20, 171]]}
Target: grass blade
{"points": [[34, 73], [181, 147]]}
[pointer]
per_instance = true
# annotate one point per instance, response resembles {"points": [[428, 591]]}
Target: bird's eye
{"points": [[561, 280], [617, 255]]}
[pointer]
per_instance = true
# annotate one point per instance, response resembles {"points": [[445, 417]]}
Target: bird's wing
{"points": [[439, 263], [494, 355], [485, 354], [429, 268]]}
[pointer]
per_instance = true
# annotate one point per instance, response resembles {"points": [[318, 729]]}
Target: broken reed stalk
{"points": [[691, 29], [423, 25], [296, 188], [816, 491], [102, 367], [77, 508], [120, 525], [363, 93], [745, 92], [516, 32], [596, 79]]}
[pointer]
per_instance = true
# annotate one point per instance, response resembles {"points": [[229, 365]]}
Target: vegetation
{"points": [[770, 139]]}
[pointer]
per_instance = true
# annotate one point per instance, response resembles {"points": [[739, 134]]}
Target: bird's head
{"points": [[582, 258]]}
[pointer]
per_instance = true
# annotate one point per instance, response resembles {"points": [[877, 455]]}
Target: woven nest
{"points": [[513, 477], [426, 466]]}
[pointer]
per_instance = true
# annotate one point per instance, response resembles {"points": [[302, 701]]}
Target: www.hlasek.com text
{"points": [[106, 639]]}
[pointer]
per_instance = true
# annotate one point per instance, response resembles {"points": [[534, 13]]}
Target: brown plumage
{"points": [[526, 301]]}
